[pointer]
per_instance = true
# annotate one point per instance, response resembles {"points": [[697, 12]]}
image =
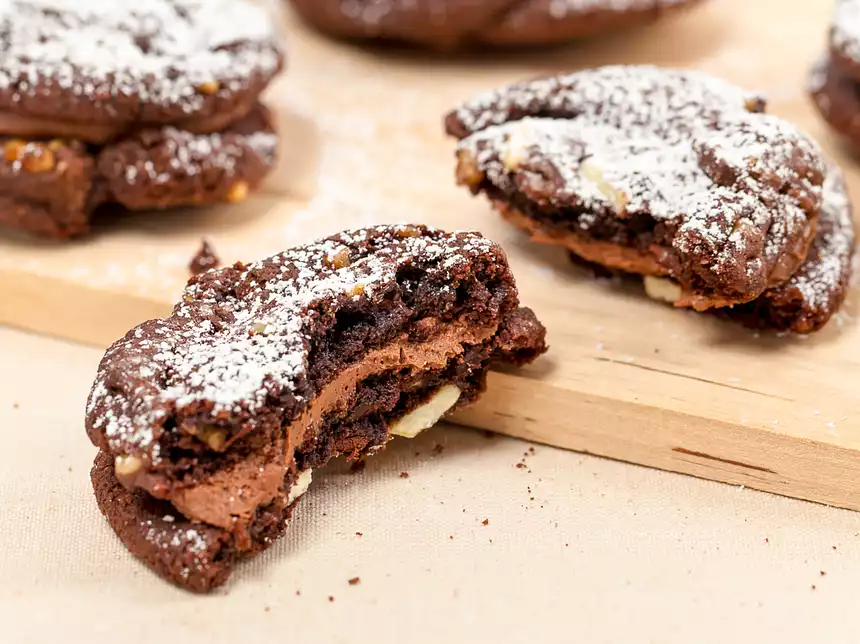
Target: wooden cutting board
{"points": [[626, 378]]}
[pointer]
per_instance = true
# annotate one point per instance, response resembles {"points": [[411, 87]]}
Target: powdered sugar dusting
{"points": [[159, 50], [238, 338], [739, 186], [822, 279], [191, 154]]}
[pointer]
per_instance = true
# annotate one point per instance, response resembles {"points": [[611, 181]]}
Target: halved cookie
{"points": [[264, 372]]}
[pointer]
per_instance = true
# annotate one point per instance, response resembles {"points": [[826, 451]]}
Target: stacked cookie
{"points": [[209, 422], [147, 104], [449, 24], [672, 175], [835, 80]]}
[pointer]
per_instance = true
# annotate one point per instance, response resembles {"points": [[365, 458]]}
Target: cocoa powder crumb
{"points": [[354, 581], [331, 598], [823, 573], [404, 475], [15, 405], [438, 449], [359, 534], [485, 522], [357, 466], [521, 465], [204, 259]]}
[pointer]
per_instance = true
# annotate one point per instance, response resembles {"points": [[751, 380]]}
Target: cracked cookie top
{"points": [[133, 60], [247, 338], [727, 194]]}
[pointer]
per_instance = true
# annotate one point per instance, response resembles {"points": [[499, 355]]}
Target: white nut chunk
{"points": [[301, 485], [517, 146], [126, 465], [662, 289], [616, 197], [426, 415]]}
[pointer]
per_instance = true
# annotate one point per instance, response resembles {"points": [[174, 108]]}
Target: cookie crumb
{"points": [[204, 259], [354, 581], [485, 522]]}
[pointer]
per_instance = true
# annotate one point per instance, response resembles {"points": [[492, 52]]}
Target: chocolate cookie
{"points": [[448, 24], [150, 104], [215, 416], [53, 187], [835, 79], [650, 171], [117, 64]]}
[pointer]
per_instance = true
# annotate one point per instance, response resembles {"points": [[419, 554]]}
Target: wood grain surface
{"points": [[626, 378]]}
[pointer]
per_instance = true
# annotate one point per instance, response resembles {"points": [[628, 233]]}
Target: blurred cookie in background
{"points": [[835, 79], [457, 24], [148, 105]]}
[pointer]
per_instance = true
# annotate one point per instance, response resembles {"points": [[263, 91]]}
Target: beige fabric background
{"points": [[605, 552]]}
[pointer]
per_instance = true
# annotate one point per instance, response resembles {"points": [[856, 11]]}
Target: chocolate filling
{"points": [[31, 127], [228, 497], [621, 248]]}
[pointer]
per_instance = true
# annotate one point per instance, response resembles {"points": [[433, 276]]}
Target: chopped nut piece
{"points": [[516, 148], [427, 414], [356, 290], [408, 231], [37, 158], [662, 289], [467, 169], [338, 260], [127, 465], [238, 192], [594, 174], [209, 87], [12, 149], [214, 437], [754, 104], [301, 485], [260, 328]]}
